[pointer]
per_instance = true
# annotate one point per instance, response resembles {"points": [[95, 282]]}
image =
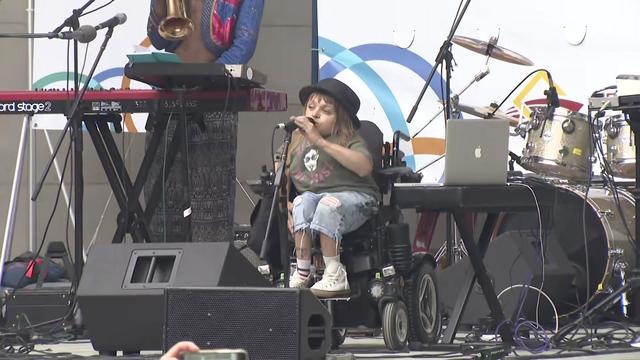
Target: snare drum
{"points": [[621, 150], [558, 147]]}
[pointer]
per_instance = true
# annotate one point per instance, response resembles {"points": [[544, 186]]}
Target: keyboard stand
{"points": [[132, 219], [459, 200]]}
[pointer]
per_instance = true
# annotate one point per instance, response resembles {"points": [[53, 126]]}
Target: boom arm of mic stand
{"points": [[50, 35], [441, 56], [70, 116]]}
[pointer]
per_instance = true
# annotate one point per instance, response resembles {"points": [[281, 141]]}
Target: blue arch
{"points": [[108, 74], [355, 60]]}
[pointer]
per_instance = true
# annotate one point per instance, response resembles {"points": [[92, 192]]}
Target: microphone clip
{"points": [[552, 97]]}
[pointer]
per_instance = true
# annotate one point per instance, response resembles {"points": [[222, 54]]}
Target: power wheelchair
{"points": [[392, 290]]}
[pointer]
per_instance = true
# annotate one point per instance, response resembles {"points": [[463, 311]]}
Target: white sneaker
{"points": [[334, 282], [297, 281]]}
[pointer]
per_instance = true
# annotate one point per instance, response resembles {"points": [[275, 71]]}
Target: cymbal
{"points": [[484, 113], [497, 52]]}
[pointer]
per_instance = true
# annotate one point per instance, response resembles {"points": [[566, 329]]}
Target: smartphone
{"points": [[217, 354]]}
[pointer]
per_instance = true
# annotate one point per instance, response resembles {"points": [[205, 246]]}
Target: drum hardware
{"points": [[616, 253], [514, 159], [624, 298], [612, 130], [568, 126], [605, 213], [536, 123], [521, 129], [563, 152]]}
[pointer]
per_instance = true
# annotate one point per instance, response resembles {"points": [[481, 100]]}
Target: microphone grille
{"points": [[86, 34], [122, 18]]}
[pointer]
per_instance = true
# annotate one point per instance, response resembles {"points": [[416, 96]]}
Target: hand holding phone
{"points": [[217, 354]]}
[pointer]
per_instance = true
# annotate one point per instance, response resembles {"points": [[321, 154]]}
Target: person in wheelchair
{"points": [[331, 169]]}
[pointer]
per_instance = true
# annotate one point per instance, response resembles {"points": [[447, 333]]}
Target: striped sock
{"points": [[303, 267]]}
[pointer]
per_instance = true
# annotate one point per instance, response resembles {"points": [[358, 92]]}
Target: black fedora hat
{"points": [[340, 92]]}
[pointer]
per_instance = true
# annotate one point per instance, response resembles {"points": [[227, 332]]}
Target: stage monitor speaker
{"points": [[273, 323], [121, 292], [512, 261]]}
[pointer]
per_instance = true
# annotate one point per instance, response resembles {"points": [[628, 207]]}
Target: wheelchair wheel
{"points": [[422, 299], [337, 337], [395, 325]]}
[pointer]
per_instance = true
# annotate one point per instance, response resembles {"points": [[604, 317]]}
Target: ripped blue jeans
{"points": [[332, 214]]}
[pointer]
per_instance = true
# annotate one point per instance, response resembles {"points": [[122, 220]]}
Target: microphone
{"points": [[291, 126], [553, 101], [84, 34], [552, 94], [117, 19]]}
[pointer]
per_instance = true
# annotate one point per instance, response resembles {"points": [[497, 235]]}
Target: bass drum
{"points": [[608, 226]]}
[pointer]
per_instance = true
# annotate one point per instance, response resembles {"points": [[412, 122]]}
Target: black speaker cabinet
{"points": [[274, 323], [121, 292], [31, 305]]}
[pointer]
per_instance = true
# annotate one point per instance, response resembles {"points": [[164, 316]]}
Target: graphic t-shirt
{"points": [[311, 169]]}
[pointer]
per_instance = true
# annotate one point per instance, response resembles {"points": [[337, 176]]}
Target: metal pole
{"points": [[15, 194], [33, 208], [65, 193]]}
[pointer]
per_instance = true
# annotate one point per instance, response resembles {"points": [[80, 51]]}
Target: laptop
{"points": [[476, 152]]}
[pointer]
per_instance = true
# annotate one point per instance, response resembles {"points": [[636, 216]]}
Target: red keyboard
{"points": [[143, 101]]}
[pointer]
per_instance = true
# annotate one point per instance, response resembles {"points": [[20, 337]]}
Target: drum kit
{"points": [[559, 149]]}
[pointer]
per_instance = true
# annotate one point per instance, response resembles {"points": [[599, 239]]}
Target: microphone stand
{"points": [[73, 21], [443, 55], [74, 121], [284, 241]]}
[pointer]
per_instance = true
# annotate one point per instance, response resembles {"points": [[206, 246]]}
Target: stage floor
{"points": [[353, 348]]}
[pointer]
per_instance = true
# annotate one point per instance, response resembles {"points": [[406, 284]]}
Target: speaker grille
{"points": [[262, 322]]}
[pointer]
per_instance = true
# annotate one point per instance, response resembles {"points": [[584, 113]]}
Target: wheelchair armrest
{"points": [[394, 172], [404, 173], [397, 135]]}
